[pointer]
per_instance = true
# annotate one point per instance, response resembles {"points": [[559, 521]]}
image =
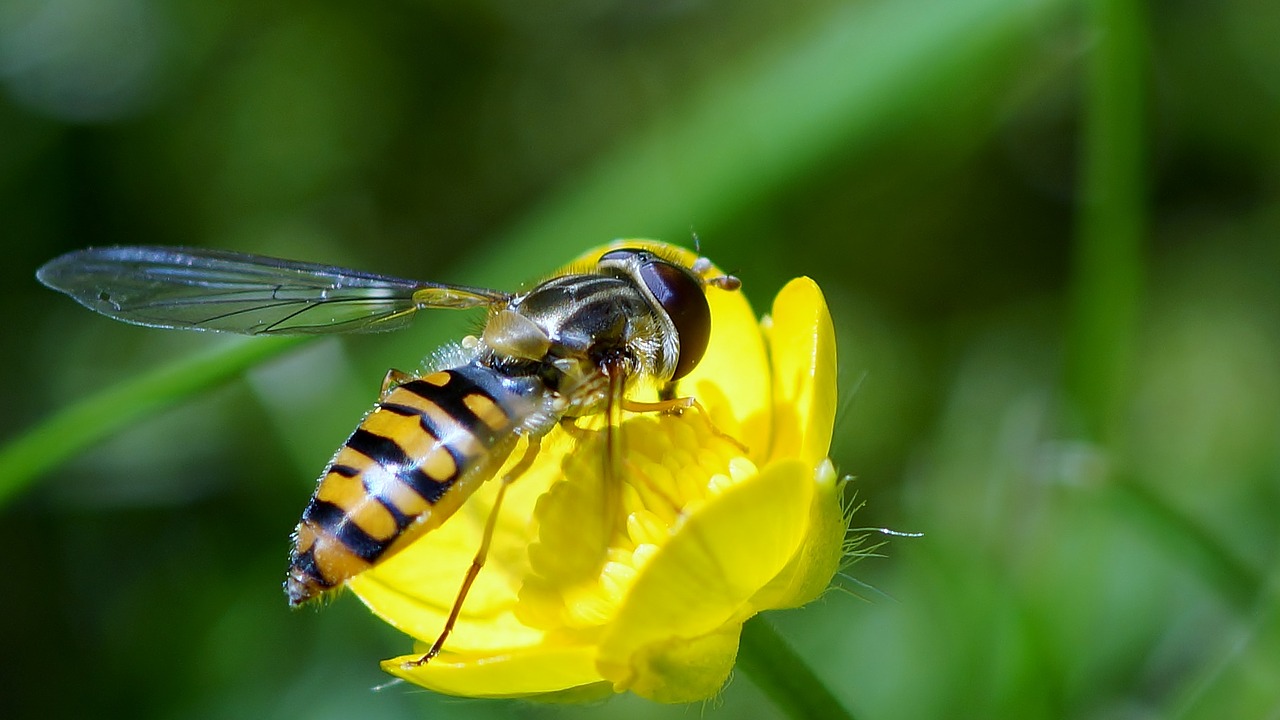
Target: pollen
{"points": [[600, 525]]}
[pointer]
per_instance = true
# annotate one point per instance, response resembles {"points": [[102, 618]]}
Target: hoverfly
{"points": [[569, 347]]}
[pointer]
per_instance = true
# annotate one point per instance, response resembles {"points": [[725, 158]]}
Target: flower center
{"points": [[598, 527]]}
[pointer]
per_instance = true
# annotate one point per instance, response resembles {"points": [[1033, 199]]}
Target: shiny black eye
{"points": [[682, 296]]}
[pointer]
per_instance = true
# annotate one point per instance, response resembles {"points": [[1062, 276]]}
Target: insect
{"points": [[572, 346]]}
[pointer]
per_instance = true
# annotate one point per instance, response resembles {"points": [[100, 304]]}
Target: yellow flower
{"points": [[712, 535]]}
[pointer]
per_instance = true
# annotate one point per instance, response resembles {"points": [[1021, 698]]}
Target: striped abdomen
{"points": [[410, 464]]}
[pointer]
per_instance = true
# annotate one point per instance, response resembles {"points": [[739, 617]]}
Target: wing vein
{"points": [[248, 294]]}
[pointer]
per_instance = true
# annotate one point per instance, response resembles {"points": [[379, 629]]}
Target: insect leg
{"points": [[531, 452], [394, 379], [677, 405]]}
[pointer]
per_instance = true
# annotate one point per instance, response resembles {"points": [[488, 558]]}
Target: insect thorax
{"points": [[566, 329]]}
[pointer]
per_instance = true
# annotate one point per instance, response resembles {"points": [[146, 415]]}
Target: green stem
{"points": [[75, 427], [1107, 283], [1108, 254], [784, 676]]}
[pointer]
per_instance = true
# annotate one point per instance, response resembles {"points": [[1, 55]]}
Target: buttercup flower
{"points": [[714, 518]]}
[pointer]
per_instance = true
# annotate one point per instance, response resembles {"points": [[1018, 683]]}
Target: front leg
{"points": [[676, 406]]}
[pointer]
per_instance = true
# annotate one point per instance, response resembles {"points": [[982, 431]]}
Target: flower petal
{"points": [[816, 561], [732, 381], [703, 578], [684, 670], [803, 348], [535, 671]]}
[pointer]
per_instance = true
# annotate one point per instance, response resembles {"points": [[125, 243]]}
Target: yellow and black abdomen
{"points": [[410, 464]]}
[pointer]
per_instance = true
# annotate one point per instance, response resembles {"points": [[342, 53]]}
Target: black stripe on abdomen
{"points": [[388, 453], [333, 520], [449, 398]]}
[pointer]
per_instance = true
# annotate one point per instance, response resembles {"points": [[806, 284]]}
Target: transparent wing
{"points": [[248, 294]]}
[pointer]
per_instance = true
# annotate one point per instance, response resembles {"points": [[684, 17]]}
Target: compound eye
{"points": [[682, 297]]}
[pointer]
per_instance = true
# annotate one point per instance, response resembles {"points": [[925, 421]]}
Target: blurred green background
{"points": [[1049, 232]]}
